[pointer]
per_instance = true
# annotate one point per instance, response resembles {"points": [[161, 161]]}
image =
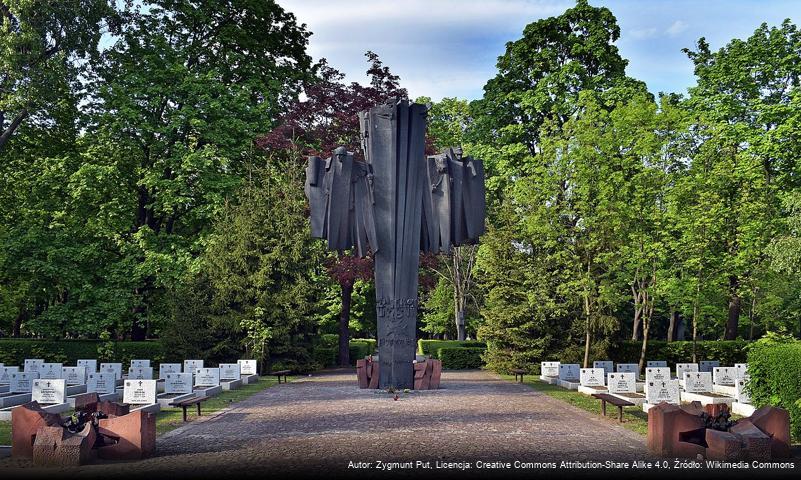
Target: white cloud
{"points": [[676, 28], [643, 33]]}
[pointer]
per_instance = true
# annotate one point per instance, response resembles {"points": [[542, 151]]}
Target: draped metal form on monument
{"points": [[393, 205]]}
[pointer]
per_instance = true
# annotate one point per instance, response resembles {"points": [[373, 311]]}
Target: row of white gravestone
{"points": [[722, 375], [103, 379]]}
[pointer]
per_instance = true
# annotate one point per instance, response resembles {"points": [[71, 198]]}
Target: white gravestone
{"points": [[229, 371], [74, 375], [656, 363], [50, 370], [139, 392], [657, 374], [681, 368], [89, 365], [708, 365], [48, 391], [592, 377], [629, 368], [165, 368], [191, 366], [741, 395], [664, 391], [101, 383], [140, 373], [139, 363], [549, 369], [622, 383], [22, 382], [607, 365], [247, 367], [569, 371], [207, 377], [697, 382], [724, 375], [177, 383], [115, 368], [741, 370], [32, 364], [5, 374]]}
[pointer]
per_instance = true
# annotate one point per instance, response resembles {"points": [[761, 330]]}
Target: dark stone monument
{"points": [[395, 204]]}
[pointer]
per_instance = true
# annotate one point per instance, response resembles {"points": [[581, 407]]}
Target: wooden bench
{"points": [[281, 373], [184, 404], [618, 402], [518, 373]]}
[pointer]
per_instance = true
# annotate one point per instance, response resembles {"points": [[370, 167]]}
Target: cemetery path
{"points": [[323, 422]]}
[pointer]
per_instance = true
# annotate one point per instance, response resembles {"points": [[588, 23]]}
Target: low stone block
{"points": [[113, 409], [374, 373], [723, 446], [674, 432], [86, 401], [57, 447], [26, 420], [774, 422], [361, 373], [134, 434], [436, 374]]}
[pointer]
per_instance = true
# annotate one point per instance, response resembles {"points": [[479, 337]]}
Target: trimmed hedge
{"points": [[461, 358], [775, 370], [728, 352], [15, 351], [432, 347], [326, 353]]}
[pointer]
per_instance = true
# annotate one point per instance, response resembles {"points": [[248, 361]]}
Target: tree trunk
{"points": [[671, 333], [15, 123], [344, 326], [645, 326], [461, 331], [587, 331], [734, 309], [17, 328]]}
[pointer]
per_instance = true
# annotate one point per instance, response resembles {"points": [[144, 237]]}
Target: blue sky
{"points": [[448, 48]]}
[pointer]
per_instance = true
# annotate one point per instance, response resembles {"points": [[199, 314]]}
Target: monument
{"points": [[392, 205]]}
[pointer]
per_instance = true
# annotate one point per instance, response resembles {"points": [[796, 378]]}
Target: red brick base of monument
{"points": [[119, 435], [426, 374], [681, 431]]}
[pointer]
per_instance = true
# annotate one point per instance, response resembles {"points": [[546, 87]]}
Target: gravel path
{"points": [[323, 422]]}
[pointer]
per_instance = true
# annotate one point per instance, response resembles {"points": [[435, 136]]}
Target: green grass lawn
{"points": [[171, 418], [633, 417]]}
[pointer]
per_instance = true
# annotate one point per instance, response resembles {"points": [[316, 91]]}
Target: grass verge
{"points": [[633, 417], [172, 418]]}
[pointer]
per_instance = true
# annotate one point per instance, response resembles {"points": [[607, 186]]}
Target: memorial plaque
{"points": [[207, 377], [48, 391], [32, 364], [101, 383], [74, 375], [681, 368], [724, 375], [657, 374], [592, 377], [139, 363], [115, 368], [177, 383], [5, 374], [22, 382], [191, 366], [664, 391], [624, 382], [50, 370], [569, 371], [656, 363], [140, 373], [549, 369], [697, 382], [165, 368], [90, 365], [741, 370], [606, 365], [247, 367], [741, 394], [229, 371], [139, 392], [707, 366]]}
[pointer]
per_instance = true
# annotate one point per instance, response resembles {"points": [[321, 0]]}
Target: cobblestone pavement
{"points": [[322, 422]]}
